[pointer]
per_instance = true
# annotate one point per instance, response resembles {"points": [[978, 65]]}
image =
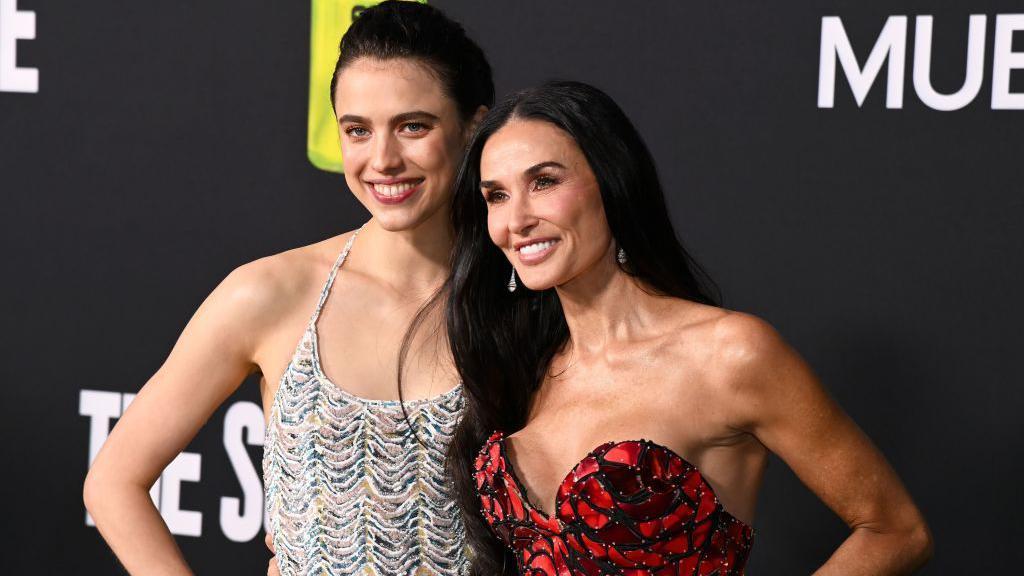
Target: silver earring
{"points": [[512, 281], [620, 256]]}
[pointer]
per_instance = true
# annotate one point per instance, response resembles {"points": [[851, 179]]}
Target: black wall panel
{"points": [[166, 145]]}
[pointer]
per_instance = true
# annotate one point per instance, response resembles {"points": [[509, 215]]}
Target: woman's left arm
{"points": [[782, 403]]}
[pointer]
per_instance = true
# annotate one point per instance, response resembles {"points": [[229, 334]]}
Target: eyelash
{"points": [[350, 131], [547, 180], [492, 196], [540, 183], [422, 128]]}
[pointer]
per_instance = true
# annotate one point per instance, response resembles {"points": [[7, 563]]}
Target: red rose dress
{"points": [[633, 507]]}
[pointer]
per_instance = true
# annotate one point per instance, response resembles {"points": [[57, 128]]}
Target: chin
{"points": [[404, 218], [538, 284], [398, 222]]}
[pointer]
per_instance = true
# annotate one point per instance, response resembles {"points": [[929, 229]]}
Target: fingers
{"points": [[272, 569], [269, 541]]}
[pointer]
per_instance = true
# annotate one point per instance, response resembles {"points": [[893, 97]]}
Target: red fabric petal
{"points": [[591, 517], [623, 453], [633, 508]]}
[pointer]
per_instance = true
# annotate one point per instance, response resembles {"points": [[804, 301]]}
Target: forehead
{"points": [[521, 144], [370, 87]]}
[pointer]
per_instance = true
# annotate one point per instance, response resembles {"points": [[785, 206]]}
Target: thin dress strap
{"points": [[334, 272]]}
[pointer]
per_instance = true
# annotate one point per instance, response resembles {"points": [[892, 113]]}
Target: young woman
{"points": [[354, 477], [625, 419]]}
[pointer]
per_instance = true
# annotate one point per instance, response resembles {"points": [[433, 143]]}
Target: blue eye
{"points": [[415, 128], [357, 131]]}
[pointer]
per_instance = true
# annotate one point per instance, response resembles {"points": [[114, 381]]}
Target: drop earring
{"points": [[620, 256], [512, 281]]}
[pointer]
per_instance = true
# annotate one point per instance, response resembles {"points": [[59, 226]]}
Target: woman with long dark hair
{"points": [[618, 420], [354, 477]]}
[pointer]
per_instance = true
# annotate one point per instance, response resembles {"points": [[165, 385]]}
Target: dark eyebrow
{"points": [[352, 118], [531, 171], [414, 115], [398, 119]]}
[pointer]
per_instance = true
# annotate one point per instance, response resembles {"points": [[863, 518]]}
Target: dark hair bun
{"points": [[397, 29]]}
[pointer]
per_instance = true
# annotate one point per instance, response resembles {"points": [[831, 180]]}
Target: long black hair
{"points": [[399, 29], [503, 343]]}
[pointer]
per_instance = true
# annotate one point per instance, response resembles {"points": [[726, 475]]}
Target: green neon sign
{"points": [[329, 21]]}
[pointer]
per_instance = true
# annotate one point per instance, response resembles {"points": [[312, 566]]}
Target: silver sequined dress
{"points": [[348, 489]]}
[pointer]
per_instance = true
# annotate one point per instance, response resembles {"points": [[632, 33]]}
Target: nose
{"points": [[387, 156], [521, 218]]}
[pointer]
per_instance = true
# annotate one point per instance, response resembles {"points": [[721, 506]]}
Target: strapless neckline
{"points": [[628, 507], [606, 447]]}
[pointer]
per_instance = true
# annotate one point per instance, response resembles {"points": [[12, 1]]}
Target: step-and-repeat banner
{"points": [[854, 174]]}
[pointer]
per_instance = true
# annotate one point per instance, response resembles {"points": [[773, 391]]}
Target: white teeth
{"points": [[537, 247], [393, 189]]}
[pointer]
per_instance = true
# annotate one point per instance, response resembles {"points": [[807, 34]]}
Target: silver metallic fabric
{"points": [[349, 490]]}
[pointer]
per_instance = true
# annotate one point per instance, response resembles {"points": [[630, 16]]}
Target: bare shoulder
{"points": [[735, 350], [268, 288], [720, 330], [753, 371], [742, 341]]}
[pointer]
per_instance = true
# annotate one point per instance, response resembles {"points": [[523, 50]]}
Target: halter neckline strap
{"points": [[334, 272]]}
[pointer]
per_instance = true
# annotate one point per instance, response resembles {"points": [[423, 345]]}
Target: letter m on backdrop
{"points": [[835, 45]]}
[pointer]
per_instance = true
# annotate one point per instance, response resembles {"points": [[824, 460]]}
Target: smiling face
{"points": [[544, 207], [401, 139]]}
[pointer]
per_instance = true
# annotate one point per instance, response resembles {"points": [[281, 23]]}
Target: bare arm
{"points": [[787, 409], [212, 357]]}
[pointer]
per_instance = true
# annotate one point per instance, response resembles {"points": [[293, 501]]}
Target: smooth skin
{"points": [[720, 388], [397, 126]]}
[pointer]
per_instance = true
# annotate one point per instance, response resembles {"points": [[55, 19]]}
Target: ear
{"points": [[478, 116]]}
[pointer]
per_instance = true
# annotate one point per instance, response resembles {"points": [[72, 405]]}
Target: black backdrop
{"points": [[166, 145]]}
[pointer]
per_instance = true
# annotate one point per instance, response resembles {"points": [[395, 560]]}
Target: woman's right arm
{"points": [[212, 357]]}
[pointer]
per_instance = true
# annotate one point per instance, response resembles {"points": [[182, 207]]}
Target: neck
{"points": [[604, 307], [410, 261]]}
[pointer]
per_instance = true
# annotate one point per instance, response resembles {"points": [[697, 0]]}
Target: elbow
{"points": [[91, 493], [96, 493], [907, 542], [910, 543], [107, 494], [919, 544]]}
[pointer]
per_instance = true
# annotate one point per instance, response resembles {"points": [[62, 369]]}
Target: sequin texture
{"points": [[348, 489], [631, 507]]}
